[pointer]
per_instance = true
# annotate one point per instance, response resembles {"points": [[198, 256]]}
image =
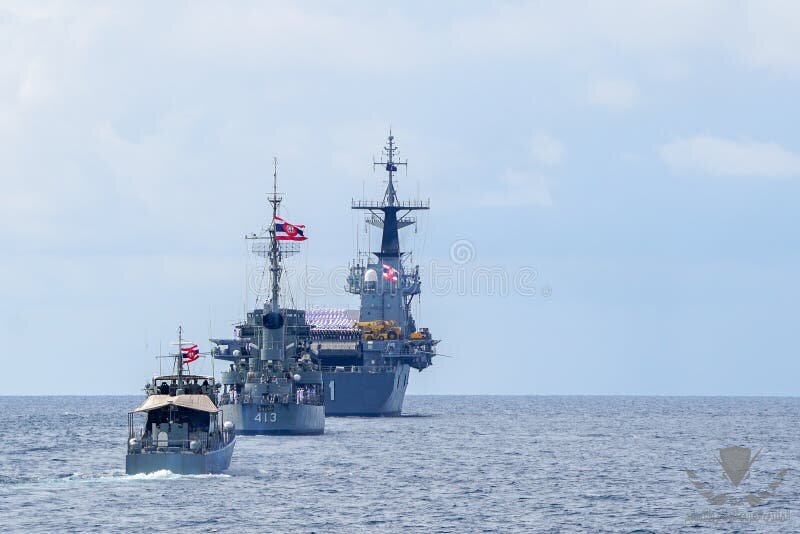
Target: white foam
{"points": [[165, 474]]}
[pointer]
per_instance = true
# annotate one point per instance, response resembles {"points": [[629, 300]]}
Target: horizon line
{"points": [[665, 395]]}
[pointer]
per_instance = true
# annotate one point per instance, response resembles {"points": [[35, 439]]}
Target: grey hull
{"points": [[365, 394], [182, 463], [282, 419]]}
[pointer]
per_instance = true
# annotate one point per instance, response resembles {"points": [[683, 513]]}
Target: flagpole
{"points": [[275, 267], [179, 359], [213, 371]]}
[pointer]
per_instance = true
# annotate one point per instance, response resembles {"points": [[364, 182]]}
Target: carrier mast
{"points": [[390, 207], [388, 298]]}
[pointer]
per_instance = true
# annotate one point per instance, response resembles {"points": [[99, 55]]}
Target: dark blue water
{"points": [[453, 464]]}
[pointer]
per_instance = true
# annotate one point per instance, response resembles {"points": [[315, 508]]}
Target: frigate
{"points": [[367, 354], [273, 384], [184, 430]]}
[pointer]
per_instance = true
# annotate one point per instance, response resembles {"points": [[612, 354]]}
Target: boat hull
{"points": [[364, 393], [182, 463], [280, 419]]}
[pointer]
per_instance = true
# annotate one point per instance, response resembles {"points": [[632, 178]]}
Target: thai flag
{"points": [[389, 273], [190, 353], [285, 231]]}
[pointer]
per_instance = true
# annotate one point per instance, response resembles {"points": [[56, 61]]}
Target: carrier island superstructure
{"points": [[367, 355], [273, 384]]}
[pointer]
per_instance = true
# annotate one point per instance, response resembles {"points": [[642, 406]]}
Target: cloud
{"points": [[769, 38], [529, 187], [518, 188], [726, 157], [546, 149], [756, 34], [614, 95]]}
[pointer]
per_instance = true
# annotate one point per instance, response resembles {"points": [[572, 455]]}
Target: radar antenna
{"points": [[390, 196], [390, 214]]}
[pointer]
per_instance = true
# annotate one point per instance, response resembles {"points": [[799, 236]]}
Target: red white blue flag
{"points": [[286, 231], [190, 353], [389, 273]]}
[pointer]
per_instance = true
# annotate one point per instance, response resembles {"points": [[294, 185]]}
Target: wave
{"points": [[165, 474], [108, 477]]}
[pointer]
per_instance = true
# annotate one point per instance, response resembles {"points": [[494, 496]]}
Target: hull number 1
{"points": [[266, 417]]}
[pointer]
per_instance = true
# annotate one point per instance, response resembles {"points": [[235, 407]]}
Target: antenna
{"points": [[274, 177], [305, 284], [244, 285], [274, 251], [179, 357], [390, 214], [210, 333], [390, 197]]}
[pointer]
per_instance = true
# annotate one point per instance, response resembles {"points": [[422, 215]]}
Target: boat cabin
{"points": [[178, 418]]}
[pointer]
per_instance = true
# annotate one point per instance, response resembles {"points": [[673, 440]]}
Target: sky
{"points": [[614, 186]]}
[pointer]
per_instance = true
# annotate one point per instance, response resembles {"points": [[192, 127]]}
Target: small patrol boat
{"points": [[184, 432]]}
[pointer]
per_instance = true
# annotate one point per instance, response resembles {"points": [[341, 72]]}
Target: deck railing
{"points": [[359, 368], [147, 443], [284, 399]]}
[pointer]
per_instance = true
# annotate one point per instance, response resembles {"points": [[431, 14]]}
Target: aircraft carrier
{"points": [[366, 355]]}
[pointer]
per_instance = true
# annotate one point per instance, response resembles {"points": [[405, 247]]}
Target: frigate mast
{"points": [[274, 250], [179, 357]]}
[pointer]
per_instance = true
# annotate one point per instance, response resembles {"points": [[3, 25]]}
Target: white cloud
{"points": [[614, 95], [517, 188], [769, 37], [546, 149], [726, 157], [760, 34], [528, 187]]}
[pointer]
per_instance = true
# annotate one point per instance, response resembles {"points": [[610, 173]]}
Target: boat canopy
{"points": [[186, 378], [193, 402]]}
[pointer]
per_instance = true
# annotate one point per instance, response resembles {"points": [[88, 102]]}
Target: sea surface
{"points": [[450, 464]]}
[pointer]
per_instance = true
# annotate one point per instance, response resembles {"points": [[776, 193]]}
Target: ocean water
{"points": [[450, 464]]}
